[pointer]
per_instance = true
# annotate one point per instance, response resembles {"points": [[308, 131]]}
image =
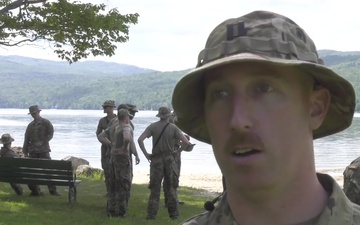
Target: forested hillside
{"points": [[86, 85]]}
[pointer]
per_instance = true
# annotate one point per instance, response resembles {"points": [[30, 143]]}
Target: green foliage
{"points": [[59, 88], [86, 85], [74, 29], [90, 207], [96, 176]]}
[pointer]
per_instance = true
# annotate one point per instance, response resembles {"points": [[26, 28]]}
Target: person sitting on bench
{"points": [[6, 151]]}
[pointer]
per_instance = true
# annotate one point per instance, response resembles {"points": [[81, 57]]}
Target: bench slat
{"points": [[35, 163], [35, 171], [20, 180], [34, 176]]}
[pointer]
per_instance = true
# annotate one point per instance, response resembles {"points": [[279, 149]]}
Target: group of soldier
{"points": [[115, 132], [38, 134]]}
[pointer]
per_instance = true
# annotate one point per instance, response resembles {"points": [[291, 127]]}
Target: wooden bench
{"points": [[40, 172]]}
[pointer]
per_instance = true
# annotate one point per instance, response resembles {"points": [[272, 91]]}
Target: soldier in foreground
{"points": [[260, 95], [6, 151], [38, 134]]}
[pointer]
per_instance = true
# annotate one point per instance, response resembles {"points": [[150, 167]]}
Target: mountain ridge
{"points": [[85, 85], [85, 67]]}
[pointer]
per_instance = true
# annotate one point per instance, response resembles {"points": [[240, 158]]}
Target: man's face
{"points": [[260, 121], [132, 114], [108, 109], [125, 120], [35, 115]]}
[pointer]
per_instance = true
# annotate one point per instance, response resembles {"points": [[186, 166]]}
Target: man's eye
{"points": [[264, 88], [220, 94]]}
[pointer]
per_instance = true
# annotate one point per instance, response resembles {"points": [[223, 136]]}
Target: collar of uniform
{"points": [[339, 209]]}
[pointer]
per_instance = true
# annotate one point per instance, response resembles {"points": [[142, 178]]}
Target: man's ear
{"points": [[320, 101]]}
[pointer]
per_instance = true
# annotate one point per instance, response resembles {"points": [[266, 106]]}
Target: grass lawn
{"points": [[90, 206]]}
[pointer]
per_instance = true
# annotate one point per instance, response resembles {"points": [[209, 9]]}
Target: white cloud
{"points": [[170, 33]]}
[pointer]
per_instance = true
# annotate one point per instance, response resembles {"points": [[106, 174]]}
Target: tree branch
{"points": [[19, 42], [17, 4]]}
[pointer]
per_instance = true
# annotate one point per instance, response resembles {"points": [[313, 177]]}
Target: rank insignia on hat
{"points": [[235, 30]]}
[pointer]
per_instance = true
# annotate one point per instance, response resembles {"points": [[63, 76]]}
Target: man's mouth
{"points": [[245, 152]]}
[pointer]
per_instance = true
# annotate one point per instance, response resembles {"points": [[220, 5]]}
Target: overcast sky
{"points": [[170, 34]]}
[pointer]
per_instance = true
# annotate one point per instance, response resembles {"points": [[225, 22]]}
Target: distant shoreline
{"points": [[213, 182]]}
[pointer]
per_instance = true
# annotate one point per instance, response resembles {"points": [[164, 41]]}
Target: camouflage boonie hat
{"points": [[164, 112], [269, 39], [123, 112], [132, 107], [109, 103], [123, 106], [6, 138], [34, 109]]}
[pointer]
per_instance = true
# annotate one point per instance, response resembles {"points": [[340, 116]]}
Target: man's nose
{"points": [[241, 114]]}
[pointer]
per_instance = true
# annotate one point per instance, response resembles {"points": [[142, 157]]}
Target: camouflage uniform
{"points": [[105, 156], [8, 152], [133, 150], [261, 39], [339, 209], [120, 172], [36, 145], [163, 167], [352, 181]]}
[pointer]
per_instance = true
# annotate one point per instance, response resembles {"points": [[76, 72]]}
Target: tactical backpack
{"points": [[352, 181]]}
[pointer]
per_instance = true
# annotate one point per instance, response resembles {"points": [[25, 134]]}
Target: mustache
{"points": [[244, 138]]}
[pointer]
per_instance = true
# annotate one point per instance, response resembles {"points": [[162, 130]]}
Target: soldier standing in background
{"points": [[108, 108], [118, 138], [162, 163], [38, 134], [177, 158], [133, 151], [132, 110], [6, 151]]}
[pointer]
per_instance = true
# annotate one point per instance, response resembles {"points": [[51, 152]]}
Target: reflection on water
{"points": [[75, 135], [338, 150]]}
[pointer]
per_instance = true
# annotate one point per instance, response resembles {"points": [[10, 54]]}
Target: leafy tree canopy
{"points": [[75, 30]]}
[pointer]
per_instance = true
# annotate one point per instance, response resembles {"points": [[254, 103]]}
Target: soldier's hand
{"points": [[189, 147], [187, 137], [148, 157]]}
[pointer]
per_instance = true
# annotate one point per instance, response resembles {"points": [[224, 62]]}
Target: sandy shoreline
{"points": [[213, 182]]}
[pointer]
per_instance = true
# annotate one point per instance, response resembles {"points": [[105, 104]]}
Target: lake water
{"points": [[75, 136]]}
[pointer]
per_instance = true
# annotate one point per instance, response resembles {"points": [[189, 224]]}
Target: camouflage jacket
{"points": [[115, 135], [339, 211], [8, 152], [104, 123], [37, 136]]}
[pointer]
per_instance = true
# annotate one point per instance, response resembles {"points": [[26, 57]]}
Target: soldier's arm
{"points": [[99, 128], [185, 144], [50, 131], [102, 137], [26, 143], [127, 137], [134, 151], [142, 146]]}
